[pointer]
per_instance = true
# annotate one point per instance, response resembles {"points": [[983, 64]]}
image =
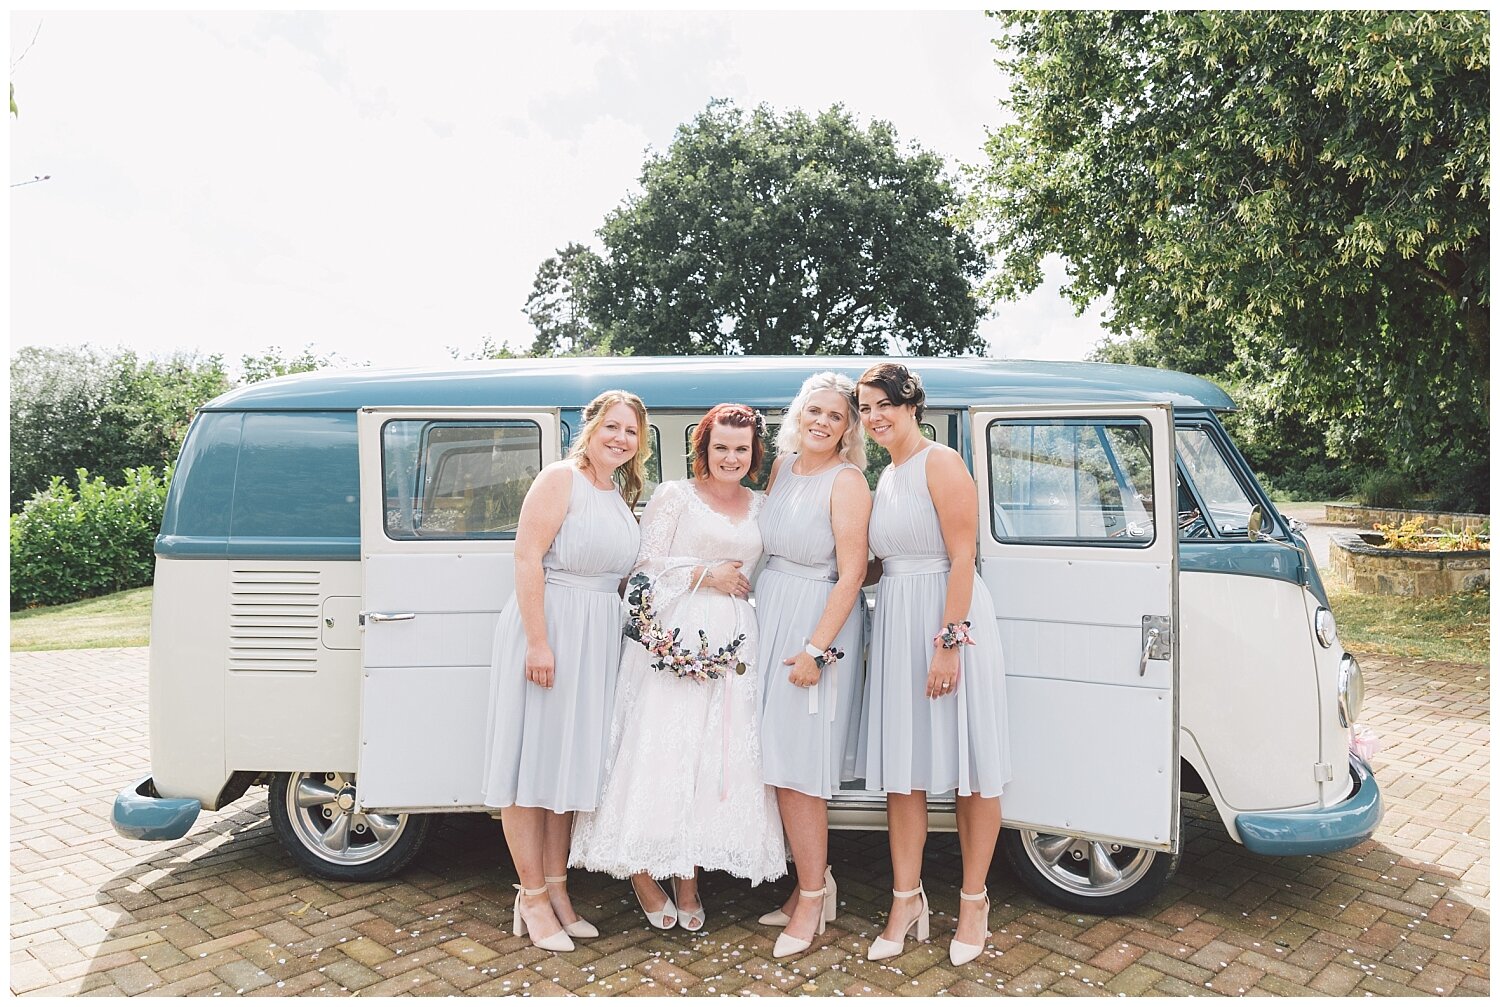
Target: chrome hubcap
{"points": [[1086, 867], [321, 809]]}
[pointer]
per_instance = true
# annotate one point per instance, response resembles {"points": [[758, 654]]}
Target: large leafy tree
{"points": [[555, 304], [763, 233], [1298, 201]]}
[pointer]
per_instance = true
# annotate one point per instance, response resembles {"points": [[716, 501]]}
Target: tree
{"points": [[555, 305], [84, 408], [1294, 200], [273, 363], [759, 233]]}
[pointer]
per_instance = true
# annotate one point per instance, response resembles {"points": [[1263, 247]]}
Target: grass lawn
{"points": [[1454, 627], [115, 620]]}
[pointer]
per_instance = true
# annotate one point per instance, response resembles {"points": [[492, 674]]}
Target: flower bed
{"points": [[1360, 516], [1357, 560]]}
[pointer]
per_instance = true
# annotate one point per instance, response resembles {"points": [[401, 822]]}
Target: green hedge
{"points": [[69, 544]]}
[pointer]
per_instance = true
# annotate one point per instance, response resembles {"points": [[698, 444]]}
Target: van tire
{"points": [[1067, 883], [329, 839]]}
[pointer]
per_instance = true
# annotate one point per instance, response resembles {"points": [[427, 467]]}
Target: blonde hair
{"points": [[851, 445], [632, 475]]}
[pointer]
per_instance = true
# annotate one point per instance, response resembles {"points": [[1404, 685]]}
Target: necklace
{"points": [[821, 469], [588, 473]]}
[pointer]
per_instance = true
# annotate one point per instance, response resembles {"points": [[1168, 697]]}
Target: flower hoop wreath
{"points": [[644, 627]]}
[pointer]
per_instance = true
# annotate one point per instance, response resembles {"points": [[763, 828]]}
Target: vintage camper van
{"points": [[337, 546]]}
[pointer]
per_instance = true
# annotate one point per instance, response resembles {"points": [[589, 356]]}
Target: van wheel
{"points": [[314, 816], [1085, 876]]}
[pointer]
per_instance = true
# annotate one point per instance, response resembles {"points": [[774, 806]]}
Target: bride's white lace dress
{"points": [[682, 783]]}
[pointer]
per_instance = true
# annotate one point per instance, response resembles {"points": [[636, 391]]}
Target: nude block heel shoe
{"points": [[786, 944], [777, 918], [881, 948], [579, 927], [960, 953], [559, 941]]}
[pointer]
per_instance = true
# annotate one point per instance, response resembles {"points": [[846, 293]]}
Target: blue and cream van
{"points": [[337, 546]]}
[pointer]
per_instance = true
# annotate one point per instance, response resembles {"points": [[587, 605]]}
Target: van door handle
{"points": [[1156, 639], [1151, 637], [391, 616]]}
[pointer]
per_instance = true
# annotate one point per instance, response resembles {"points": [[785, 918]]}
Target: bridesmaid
{"points": [[557, 648], [808, 603], [935, 707]]}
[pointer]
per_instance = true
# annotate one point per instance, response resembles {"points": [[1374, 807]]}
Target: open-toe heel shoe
{"points": [[779, 918], [579, 927], [786, 944], [960, 953], [559, 941], [658, 919], [698, 916], [881, 948]]}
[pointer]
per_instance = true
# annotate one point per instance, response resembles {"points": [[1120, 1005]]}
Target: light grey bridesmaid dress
{"points": [[546, 746], [957, 742], [806, 735]]}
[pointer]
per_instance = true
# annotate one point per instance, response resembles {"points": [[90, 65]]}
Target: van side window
{"points": [[457, 479], [1080, 481], [1223, 496], [298, 476]]}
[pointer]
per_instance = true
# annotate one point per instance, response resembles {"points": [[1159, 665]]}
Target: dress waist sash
{"points": [[804, 570], [908, 566], [604, 582]]}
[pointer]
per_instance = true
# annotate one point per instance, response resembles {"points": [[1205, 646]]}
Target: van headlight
{"points": [[1326, 628], [1351, 690]]}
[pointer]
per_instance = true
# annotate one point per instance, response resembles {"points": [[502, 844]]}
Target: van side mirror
{"points": [[1255, 523]]}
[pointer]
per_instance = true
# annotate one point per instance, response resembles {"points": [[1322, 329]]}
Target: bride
{"points": [[683, 785]]}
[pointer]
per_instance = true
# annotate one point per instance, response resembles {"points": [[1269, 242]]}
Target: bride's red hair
{"points": [[731, 414]]}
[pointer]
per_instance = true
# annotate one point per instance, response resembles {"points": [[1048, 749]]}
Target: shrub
{"points": [[1386, 489], [69, 544]]}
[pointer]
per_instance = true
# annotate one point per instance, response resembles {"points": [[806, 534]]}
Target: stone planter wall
{"points": [[1360, 516], [1355, 562]]}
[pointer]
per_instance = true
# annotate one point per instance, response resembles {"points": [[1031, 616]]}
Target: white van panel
{"points": [[304, 720], [1080, 744], [432, 755], [1252, 706], [189, 626]]}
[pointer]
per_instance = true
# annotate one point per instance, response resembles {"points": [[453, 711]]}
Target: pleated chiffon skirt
{"points": [[547, 745], [956, 743]]}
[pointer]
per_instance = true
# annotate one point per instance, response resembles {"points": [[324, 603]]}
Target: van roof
{"points": [[696, 382]]}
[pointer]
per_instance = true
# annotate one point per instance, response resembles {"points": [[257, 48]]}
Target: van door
{"points": [[1078, 545], [440, 497]]}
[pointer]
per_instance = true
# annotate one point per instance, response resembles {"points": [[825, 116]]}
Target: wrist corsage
{"points": [[823, 658], [953, 635]]}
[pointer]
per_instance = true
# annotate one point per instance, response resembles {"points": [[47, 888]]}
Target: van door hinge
{"points": [[1323, 772]]}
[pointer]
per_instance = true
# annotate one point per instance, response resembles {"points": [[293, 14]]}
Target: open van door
{"points": [[440, 497], [1078, 546]]}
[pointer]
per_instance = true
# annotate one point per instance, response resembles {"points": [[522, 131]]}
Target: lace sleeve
{"points": [[671, 575]]}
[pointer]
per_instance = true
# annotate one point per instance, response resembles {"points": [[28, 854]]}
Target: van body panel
{"points": [[698, 382], [289, 699], [1246, 681], [435, 578], [1076, 584], [189, 630]]}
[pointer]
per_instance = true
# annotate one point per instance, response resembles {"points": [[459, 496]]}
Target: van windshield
{"points": [[1223, 496]]}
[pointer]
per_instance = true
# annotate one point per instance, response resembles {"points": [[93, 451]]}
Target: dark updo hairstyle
{"points": [[901, 386], [731, 414]]}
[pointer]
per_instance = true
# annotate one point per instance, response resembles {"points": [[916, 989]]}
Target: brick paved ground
{"points": [[223, 911]]}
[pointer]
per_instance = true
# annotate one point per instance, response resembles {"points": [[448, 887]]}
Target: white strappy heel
{"points": [[881, 948], [786, 944], [579, 927], [658, 919], [699, 915], [960, 953], [559, 941], [778, 918]]}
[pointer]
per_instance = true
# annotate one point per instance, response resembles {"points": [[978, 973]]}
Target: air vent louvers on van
{"points": [[273, 620]]}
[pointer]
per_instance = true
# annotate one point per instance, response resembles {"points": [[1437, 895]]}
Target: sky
{"points": [[384, 185]]}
